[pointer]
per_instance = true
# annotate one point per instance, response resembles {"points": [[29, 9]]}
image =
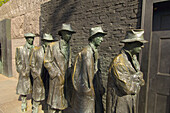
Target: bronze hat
{"points": [[96, 30], [47, 37], [29, 35], [66, 27], [134, 35]]}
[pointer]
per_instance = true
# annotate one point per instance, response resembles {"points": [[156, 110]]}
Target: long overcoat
{"points": [[124, 82], [83, 99], [22, 58], [57, 64], [38, 73]]}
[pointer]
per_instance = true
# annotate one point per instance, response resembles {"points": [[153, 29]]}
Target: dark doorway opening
{"points": [[161, 16]]}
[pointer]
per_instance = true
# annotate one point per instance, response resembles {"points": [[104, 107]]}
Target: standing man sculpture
{"points": [[125, 77], [85, 70], [39, 72], [22, 58], [57, 61]]}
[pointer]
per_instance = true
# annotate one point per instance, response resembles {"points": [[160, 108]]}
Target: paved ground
{"points": [[9, 102]]}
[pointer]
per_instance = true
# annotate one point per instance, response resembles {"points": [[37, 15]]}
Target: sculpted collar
{"points": [[44, 48], [64, 48], [93, 47], [29, 46], [133, 59], [63, 43], [128, 52], [96, 56]]}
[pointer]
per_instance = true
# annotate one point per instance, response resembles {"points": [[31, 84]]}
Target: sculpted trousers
{"points": [[35, 106], [24, 103]]}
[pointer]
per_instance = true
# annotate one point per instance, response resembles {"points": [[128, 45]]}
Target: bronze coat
{"points": [[38, 73], [83, 99], [57, 65], [22, 57], [124, 83]]}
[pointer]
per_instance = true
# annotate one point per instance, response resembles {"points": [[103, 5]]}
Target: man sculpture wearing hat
{"points": [[22, 57], [39, 72], [125, 77], [85, 73], [57, 61]]}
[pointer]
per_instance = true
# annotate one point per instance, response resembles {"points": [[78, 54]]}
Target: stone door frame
{"points": [[5, 39]]}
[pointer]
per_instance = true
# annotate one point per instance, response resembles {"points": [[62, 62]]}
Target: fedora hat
{"points": [[134, 35], [96, 30], [66, 27], [26, 35], [47, 37]]}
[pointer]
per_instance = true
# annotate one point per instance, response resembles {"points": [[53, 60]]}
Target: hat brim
{"points": [[133, 40], [29, 36], [103, 33], [48, 39], [59, 32]]}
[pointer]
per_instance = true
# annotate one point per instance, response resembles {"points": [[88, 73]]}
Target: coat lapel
{"points": [[95, 57], [129, 61], [62, 52], [60, 57]]}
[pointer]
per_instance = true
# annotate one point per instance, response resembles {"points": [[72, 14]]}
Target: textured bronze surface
{"points": [[125, 78]]}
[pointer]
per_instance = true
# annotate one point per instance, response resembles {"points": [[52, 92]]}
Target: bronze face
{"points": [[98, 38], [136, 47], [66, 35], [30, 40], [46, 42]]}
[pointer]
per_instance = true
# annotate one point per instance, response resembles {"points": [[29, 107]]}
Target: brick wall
{"points": [[115, 16]]}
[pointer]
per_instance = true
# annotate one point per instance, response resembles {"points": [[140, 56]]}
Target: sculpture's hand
{"points": [[23, 73], [142, 82], [140, 76], [136, 78]]}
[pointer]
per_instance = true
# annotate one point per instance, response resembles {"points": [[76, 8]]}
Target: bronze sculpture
{"points": [[85, 70], [22, 57], [57, 60], [39, 72], [125, 77]]}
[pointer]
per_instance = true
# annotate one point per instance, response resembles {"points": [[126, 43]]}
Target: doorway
{"points": [[155, 96]]}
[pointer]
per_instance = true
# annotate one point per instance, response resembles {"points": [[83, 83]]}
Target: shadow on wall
{"points": [[53, 14]]}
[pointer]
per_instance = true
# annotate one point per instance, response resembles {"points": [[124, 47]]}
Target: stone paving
{"points": [[9, 101]]}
